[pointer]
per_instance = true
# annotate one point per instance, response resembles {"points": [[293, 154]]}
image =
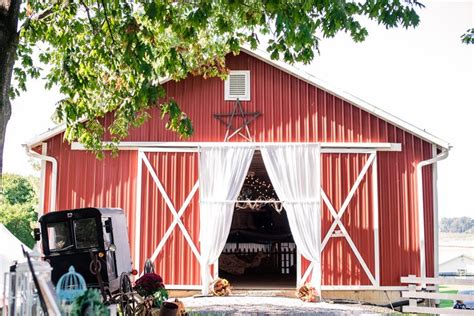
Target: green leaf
{"points": [[108, 60]]}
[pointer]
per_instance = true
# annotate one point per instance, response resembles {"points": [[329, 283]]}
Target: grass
{"points": [[446, 303]]}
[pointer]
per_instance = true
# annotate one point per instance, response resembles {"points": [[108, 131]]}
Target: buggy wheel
{"points": [[126, 298], [127, 303], [127, 310], [125, 283]]}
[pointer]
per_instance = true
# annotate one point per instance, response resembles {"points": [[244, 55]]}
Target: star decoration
{"points": [[243, 129]]}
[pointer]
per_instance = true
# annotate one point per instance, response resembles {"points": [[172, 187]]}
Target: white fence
{"points": [[413, 295]]}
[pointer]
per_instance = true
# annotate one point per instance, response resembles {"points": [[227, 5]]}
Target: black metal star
{"points": [[227, 119]]}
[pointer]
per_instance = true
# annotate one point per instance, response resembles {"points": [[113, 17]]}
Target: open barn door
{"points": [[349, 213], [167, 223]]}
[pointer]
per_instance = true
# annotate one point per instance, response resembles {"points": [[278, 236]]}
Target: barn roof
{"points": [[461, 256], [309, 78]]}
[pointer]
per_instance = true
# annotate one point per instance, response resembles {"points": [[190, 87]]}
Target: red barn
{"points": [[377, 198]]}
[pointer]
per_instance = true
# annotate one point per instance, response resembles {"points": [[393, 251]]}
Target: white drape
{"points": [[294, 171], [222, 172]]}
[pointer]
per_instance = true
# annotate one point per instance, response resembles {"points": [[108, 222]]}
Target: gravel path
{"points": [[234, 305]]}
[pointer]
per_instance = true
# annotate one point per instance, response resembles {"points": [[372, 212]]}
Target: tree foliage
{"points": [[110, 56], [468, 37], [17, 190], [18, 203], [457, 224]]}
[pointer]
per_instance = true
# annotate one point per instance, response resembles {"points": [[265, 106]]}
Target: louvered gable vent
{"points": [[237, 85]]}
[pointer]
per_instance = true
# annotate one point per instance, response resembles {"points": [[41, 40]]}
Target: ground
{"points": [[447, 290], [235, 305]]}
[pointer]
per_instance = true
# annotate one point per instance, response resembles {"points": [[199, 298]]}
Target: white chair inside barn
{"points": [[294, 170]]}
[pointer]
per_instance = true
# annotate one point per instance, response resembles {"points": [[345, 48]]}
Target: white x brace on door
{"points": [[337, 216], [142, 159]]}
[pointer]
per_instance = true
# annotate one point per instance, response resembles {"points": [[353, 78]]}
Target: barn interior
{"points": [[260, 252]]}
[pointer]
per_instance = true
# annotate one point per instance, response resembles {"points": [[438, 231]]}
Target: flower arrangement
{"points": [[148, 284], [151, 287]]}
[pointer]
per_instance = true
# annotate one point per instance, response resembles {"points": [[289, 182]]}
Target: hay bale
{"points": [[220, 287], [307, 293]]}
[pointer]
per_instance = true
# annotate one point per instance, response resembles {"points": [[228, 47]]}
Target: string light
{"points": [[256, 193]]}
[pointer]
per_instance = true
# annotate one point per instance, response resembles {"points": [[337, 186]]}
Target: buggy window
{"points": [[108, 241], [59, 237], [86, 233]]}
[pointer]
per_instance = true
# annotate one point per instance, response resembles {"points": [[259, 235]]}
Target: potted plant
{"points": [[150, 286], [89, 304]]}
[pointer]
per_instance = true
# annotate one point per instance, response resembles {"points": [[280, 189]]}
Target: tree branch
{"points": [[88, 15], [39, 16], [42, 15], [107, 21]]}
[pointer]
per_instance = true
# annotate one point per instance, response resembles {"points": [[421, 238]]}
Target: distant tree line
{"points": [[18, 205], [457, 225]]}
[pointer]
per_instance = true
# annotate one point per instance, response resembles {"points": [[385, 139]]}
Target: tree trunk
{"points": [[9, 10]]}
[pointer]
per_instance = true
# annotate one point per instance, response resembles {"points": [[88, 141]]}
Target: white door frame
{"points": [[354, 148]]}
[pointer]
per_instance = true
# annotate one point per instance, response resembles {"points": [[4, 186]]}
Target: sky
{"points": [[424, 76]]}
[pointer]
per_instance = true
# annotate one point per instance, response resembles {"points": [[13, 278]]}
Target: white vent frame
{"points": [[242, 97]]}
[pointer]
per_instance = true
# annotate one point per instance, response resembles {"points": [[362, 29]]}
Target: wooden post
{"points": [[412, 288]]}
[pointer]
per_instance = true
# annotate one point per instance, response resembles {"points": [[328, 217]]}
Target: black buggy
{"points": [[95, 242]]}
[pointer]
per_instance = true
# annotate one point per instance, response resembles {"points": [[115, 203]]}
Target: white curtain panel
{"points": [[294, 170], [222, 172]]}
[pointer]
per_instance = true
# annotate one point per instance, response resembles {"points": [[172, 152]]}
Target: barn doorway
{"points": [[260, 252]]}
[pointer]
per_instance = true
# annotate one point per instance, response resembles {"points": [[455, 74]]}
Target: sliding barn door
{"points": [[349, 228], [168, 205]]}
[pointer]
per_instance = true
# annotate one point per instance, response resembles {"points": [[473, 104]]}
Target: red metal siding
{"points": [[84, 181], [292, 111]]}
